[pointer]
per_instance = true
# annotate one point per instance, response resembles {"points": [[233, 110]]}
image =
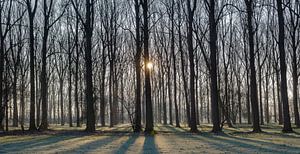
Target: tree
{"points": [[293, 30], [138, 115], [283, 82], [47, 13], [213, 67], [149, 112], [88, 29], [190, 12], [253, 85], [6, 8], [31, 14]]}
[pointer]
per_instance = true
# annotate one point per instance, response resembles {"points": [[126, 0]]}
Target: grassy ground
{"points": [[169, 139]]}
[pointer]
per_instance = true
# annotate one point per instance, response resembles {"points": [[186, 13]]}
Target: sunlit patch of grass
{"points": [[168, 128], [65, 127]]}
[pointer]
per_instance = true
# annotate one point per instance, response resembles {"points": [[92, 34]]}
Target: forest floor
{"points": [[168, 139]]}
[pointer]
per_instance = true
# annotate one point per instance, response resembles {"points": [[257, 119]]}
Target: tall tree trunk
{"points": [[169, 93], [213, 68], [2, 107], [190, 13], [31, 13], [138, 114], [283, 83], [111, 85], [174, 64], [280, 114], [149, 112], [44, 84], [76, 78], [102, 90], [253, 85], [70, 79], [61, 88], [90, 112], [295, 89], [267, 117], [15, 112], [22, 100]]}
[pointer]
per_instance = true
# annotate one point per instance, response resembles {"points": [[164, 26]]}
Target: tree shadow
{"points": [[149, 145], [273, 134], [91, 146], [225, 142], [177, 130], [22, 146], [125, 146]]}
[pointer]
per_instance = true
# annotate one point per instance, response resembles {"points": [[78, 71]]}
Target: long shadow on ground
{"points": [[92, 146], [149, 145], [125, 146], [225, 142], [28, 144]]}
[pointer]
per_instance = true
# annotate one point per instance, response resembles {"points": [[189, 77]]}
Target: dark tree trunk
{"points": [[62, 115], [267, 117], [2, 107], [44, 84], [213, 69], [295, 76], [295, 88], [102, 90], [111, 86], [70, 80], [280, 114], [169, 92], [174, 64], [138, 114], [149, 112], [90, 113], [76, 78], [31, 13], [253, 85], [15, 112], [283, 84], [22, 101], [190, 47]]}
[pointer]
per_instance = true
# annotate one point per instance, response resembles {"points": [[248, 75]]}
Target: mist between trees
{"points": [[145, 62]]}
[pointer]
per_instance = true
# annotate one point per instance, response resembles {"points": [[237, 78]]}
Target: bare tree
{"points": [[283, 83]]}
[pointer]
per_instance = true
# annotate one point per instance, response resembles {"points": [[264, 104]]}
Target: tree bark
{"points": [[253, 85], [138, 114], [213, 69], [283, 83], [31, 14], [149, 112], [190, 12]]}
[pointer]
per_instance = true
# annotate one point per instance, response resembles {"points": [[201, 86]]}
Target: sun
{"points": [[149, 65]]}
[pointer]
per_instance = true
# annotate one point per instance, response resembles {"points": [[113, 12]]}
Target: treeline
{"points": [[106, 62]]}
